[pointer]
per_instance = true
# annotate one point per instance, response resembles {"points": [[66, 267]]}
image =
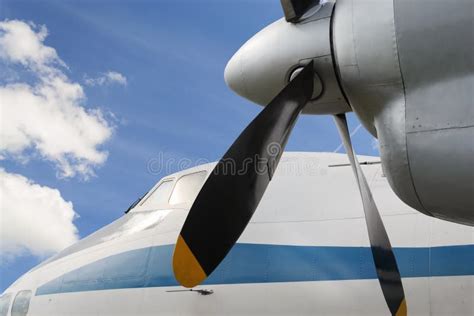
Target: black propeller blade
{"points": [[232, 192], [295, 9], [382, 252]]}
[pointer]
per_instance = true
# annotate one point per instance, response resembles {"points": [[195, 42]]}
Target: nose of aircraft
{"points": [[262, 67]]}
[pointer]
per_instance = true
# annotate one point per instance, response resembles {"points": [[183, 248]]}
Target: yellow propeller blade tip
{"points": [[402, 309], [187, 270]]}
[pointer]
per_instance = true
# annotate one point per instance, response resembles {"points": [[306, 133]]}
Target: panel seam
{"points": [[398, 57]]}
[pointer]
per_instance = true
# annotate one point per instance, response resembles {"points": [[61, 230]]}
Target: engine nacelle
{"points": [[407, 68]]}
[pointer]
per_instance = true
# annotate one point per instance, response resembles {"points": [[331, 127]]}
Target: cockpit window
{"points": [[187, 187], [159, 196], [5, 304], [21, 304]]}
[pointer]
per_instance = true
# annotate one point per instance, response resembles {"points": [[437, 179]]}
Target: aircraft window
{"points": [[5, 304], [21, 304], [187, 187], [159, 196]]}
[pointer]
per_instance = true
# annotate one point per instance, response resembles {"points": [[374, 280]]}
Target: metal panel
{"points": [[367, 61], [441, 164], [436, 48], [366, 56], [436, 42]]}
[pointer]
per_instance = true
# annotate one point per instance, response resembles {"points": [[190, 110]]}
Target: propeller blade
{"points": [[382, 252], [232, 192], [295, 9]]}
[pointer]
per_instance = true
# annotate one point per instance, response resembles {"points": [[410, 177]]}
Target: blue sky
{"points": [[175, 102]]}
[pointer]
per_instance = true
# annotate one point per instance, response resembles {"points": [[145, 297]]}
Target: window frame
{"points": [[12, 311], [152, 191], [206, 174]]}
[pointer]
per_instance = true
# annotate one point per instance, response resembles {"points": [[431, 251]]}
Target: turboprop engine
{"points": [[406, 68]]}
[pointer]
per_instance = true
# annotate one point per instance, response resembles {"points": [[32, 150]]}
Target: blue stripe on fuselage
{"points": [[260, 263]]}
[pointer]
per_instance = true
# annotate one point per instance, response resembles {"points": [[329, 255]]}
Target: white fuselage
{"points": [[305, 252]]}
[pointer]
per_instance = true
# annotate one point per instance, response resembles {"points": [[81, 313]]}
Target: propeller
{"points": [[382, 252], [228, 199]]}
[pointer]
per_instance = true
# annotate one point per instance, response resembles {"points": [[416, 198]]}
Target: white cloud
{"points": [[19, 43], [33, 218], [47, 116], [107, 78]]}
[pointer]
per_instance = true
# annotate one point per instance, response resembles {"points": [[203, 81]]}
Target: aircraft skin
{"points": [[305, 252]]}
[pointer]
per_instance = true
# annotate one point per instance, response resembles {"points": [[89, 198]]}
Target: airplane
{"points": [[262, 231]]}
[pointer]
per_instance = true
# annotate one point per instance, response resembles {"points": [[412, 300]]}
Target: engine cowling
{"points": [[408, 72]]}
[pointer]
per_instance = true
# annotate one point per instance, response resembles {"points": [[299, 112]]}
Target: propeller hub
{"points": [[264, 65]]}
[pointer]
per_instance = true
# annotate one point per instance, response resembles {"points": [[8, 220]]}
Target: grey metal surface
{"points": [[263, 65], [436, 49], [366, 55], [367, 61], [408, 72], [442, 167]]}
